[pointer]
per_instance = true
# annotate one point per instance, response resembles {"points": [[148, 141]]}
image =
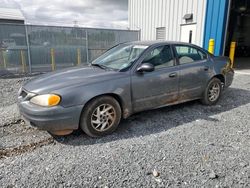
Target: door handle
{"points": [[206, 68], [171, 75]]}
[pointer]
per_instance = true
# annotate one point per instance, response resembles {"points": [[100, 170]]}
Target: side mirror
{"points": [[146, 67]]}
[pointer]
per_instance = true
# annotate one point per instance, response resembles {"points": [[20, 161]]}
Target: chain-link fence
{"points": [[31, 49]]}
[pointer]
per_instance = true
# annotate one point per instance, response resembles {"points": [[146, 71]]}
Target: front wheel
{"points": [[212, 92], [101, 116]]}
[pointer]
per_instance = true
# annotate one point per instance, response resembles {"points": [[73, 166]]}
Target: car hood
{"points": [[69, 77]]}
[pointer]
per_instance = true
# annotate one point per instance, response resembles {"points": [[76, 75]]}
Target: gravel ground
{"points": [[187, 145]]}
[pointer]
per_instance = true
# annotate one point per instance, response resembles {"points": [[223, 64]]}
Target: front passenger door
{"points": [[159, 87]]}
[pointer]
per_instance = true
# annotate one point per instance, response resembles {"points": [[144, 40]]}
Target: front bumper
{"points": [[51, 118]]}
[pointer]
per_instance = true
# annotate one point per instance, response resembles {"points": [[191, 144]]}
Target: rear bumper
{"points": [[51, 118], [229, 78]]}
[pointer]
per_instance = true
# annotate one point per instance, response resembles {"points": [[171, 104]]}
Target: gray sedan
{"points": [[128, 78]]}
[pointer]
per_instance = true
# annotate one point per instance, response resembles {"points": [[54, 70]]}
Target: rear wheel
{"points": [[212, 92], [101, 116]]}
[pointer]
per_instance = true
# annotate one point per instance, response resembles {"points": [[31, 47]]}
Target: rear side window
{"points": [[188, 54]]}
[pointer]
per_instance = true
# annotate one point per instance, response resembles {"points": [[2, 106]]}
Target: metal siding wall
{"points": [[178, 19], [195, 11], [147, 15], [175, 22], [167, 11], [171, 16], [153, 20], [215, 24], [201, 7]]}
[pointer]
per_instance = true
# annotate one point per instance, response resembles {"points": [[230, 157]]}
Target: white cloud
{"points": [[87, 13]]}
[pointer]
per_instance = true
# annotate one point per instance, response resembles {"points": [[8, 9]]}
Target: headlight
{"points": [[46, 100]]}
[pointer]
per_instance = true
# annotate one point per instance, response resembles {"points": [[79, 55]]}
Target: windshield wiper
{"points": [[103, 67], [98, 65]]}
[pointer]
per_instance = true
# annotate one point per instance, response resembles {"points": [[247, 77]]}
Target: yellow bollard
{"points": [[211, 46], [232, 52], [4, 60], [52, 54], [23, 61], [78, 56]]}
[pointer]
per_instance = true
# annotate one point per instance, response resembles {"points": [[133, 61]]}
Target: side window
{"points": [[160, 57], [188, 54]]}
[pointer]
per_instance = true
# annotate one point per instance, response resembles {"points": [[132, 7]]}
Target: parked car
{"points": [[128, 78]]}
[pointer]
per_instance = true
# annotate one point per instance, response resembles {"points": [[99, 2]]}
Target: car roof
{"points": [[155, 42], [159, 42]]}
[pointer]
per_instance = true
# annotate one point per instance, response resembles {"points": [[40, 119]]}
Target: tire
{"points": [[101, 116], [207, 98]]}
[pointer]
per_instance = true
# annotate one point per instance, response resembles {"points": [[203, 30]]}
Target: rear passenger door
{"points": [[194, 69]]}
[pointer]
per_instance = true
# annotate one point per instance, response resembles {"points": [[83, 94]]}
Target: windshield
{"points": [[120, 57]]}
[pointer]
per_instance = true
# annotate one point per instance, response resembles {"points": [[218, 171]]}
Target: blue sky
{"points": [[87, 13]]}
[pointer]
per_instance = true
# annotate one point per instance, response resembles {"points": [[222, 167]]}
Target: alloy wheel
{"points": [[214, 92], [103, 117]]}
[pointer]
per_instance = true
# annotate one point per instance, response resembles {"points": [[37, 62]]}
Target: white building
{"points": [[194, 21], [164, 19], [10, 15]]}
